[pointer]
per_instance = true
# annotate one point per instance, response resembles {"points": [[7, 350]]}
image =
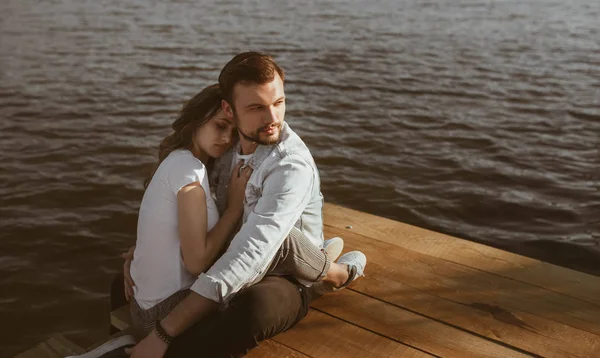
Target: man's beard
{"points": [[255, 137]]}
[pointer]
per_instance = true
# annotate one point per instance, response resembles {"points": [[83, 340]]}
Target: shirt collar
{"points": [[262, 151]]}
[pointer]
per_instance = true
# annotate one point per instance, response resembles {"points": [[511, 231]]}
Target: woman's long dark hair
{"points": [[194, 113]]}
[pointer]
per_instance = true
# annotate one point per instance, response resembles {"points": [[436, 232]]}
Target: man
{"points": [[283, 193]]}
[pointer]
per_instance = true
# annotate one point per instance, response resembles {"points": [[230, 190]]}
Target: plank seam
{"points": [[472, 267], [52, 349], [375, 332], [523, 282], [274, 339], [506, 345], [466, 305], [526, 327], [538, 316]]}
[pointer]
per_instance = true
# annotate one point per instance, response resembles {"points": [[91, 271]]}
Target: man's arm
{"points": [[287, 189]]}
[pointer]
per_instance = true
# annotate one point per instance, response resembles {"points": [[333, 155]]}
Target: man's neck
{"points": [[247, 147]]}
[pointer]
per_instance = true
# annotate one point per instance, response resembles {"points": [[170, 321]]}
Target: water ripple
{"points": [[475, 119]]}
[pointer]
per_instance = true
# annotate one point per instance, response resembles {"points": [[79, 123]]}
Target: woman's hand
{"points": [[128, 281], [237, 187], [149, 347]]}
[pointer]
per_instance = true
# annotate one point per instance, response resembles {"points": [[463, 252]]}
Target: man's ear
{"points": [[227, 109]]}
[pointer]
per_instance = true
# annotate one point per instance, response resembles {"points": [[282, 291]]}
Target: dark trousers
{"points": [[256, 313]]}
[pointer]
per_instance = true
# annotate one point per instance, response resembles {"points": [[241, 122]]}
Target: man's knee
{"points": [[268, 308], [255, 314]]}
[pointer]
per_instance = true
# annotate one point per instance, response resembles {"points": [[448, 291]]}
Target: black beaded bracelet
{"points": [[160, 332]]}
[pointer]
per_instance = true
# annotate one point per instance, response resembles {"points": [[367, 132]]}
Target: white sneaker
{"points": [[333, 248], [113, 348], [356, 261]]}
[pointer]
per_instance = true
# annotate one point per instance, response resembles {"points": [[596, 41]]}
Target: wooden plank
{"points": [[120, 318], [527, 332], [320, 335], [272, 349], [484, 287], [489, 305], [478, 256], [63, 346], [409, 328], [41, 350]]}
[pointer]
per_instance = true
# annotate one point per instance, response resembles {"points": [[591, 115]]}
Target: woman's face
{"points": [[215, 137]]}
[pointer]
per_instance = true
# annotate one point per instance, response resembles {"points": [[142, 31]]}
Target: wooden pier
{"points": [[427, 294]]}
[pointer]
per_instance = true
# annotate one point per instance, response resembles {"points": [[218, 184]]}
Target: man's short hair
{"points": [[247, 68]]}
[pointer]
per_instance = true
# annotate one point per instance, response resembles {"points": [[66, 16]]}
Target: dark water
{"points": [[476, 118]]}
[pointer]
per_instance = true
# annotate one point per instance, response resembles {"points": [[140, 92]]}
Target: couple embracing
{"points": [[230, 248]]}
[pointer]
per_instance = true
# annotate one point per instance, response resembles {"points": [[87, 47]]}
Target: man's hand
{"points": [[128, 281], [149, 347]]}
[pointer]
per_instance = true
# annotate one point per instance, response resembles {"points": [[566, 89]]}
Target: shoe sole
{"points": [[334, 249], [119, 342]]}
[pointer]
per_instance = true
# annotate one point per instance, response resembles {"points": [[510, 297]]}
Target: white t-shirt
{"points": [[157, 268], [237, 157]]}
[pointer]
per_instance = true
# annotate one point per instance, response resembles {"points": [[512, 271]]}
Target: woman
{"points": [[180, 232]]}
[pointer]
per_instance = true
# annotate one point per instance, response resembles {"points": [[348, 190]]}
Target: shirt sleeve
{"points": [[286, 192], [184, 170]]}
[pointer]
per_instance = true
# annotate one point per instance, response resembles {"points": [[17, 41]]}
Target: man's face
{"points": [[259, 110]]}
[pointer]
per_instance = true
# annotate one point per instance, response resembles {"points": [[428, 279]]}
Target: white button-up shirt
{"points": [[283, 191]]}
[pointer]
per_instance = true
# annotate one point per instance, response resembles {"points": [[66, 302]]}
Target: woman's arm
{"points": [[199, 248]]}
